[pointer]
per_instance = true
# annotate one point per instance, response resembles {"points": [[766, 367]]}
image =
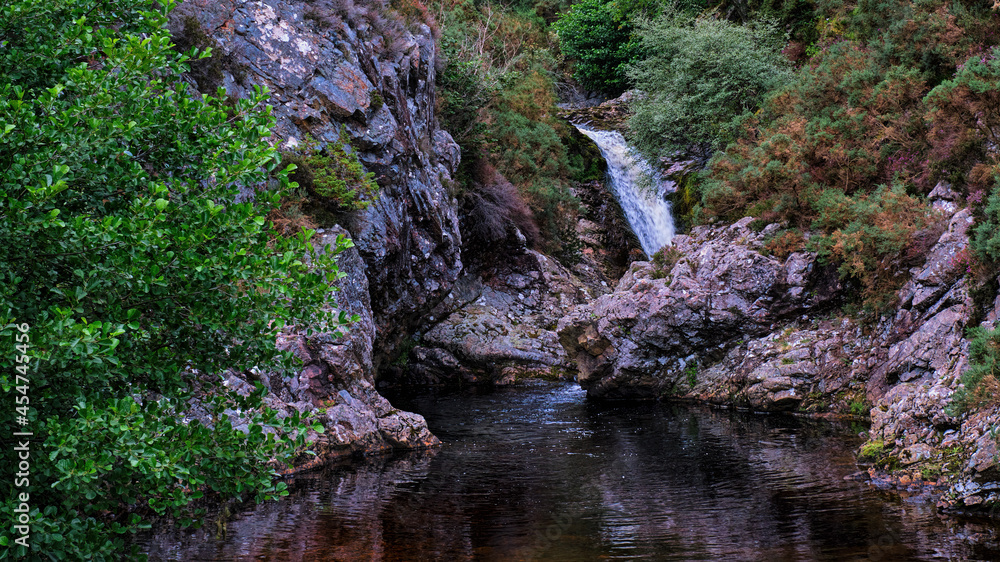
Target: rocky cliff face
{"points": [[728, 325], [326, 70], [370, 71]]}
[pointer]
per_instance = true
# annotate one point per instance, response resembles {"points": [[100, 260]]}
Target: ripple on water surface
{"points": [[539, 473]]}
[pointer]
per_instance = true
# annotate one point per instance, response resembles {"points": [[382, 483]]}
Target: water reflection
{"points": [[538, 473]]}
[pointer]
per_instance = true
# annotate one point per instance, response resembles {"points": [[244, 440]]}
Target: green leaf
{"points": [[121, 300]]}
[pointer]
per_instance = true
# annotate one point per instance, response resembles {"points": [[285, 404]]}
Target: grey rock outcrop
{"points": [[371, 74], [501, 329], [638, 341], [729, 326], [323, 78]]}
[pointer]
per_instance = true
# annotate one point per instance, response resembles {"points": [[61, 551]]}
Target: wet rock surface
{"points": [[502, 326]]}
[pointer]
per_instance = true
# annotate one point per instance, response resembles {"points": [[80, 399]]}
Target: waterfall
{"points": [[645, 209]]}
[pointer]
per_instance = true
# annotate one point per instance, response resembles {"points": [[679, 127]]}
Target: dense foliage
{"points": [[885, 104], [702, 78], [964, 134], [602, 39], [137, 265], [598, 36], [497, 98]]}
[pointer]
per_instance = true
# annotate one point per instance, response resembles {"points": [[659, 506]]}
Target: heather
{"points": [[889, 101], [497, 97]]}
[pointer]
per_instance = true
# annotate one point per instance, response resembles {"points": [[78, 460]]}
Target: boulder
{"points": [[500, 329], [638, 341]]}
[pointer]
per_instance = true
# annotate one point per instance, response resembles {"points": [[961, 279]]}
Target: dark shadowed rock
{"points": [[502, 329]]}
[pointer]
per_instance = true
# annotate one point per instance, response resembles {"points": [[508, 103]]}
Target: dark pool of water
{"points": [[539, 473]]}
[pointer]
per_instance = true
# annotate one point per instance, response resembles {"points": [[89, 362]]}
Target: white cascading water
{"points": [[647, 212]]}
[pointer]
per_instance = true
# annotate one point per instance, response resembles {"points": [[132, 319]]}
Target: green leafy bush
{"points": [[139, 259], [207, 72], [981, 381], [798, 17], [855, 115], [333, 176], [598, 35], [691, 374], [702, 78], [930, 37]]}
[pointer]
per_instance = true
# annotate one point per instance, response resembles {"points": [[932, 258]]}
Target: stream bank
{"points": [[537, 472], [725, 323], [718, 321], [406, 278]]}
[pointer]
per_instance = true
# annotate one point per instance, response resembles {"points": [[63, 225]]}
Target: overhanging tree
{"points": [[137, 255]]}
